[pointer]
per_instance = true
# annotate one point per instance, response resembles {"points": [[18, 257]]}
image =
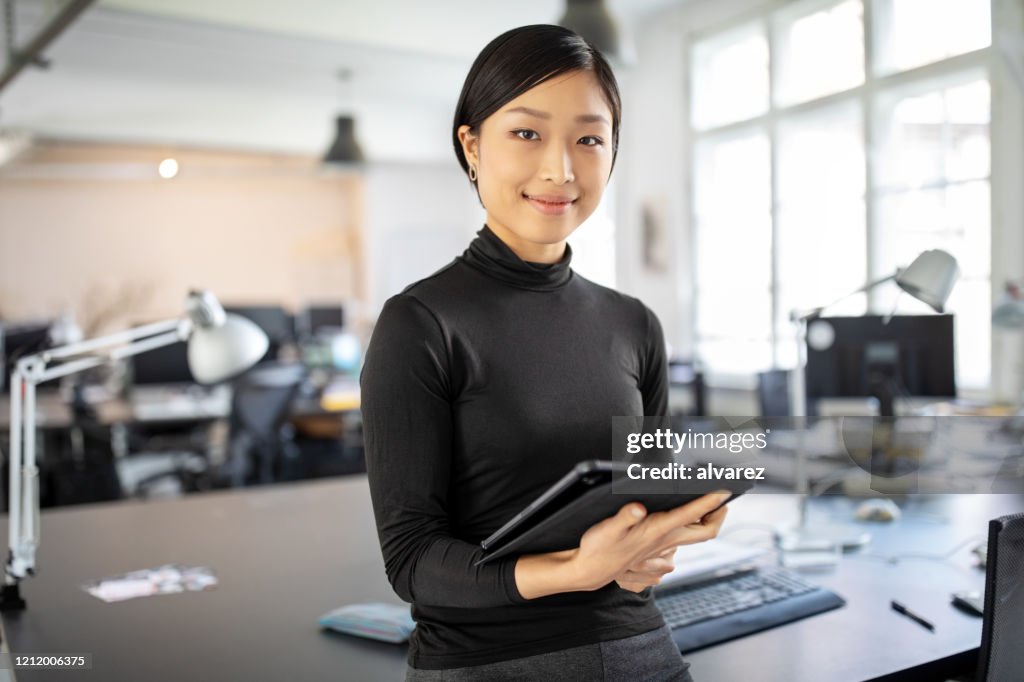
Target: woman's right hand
{"points": [[634, 548]]}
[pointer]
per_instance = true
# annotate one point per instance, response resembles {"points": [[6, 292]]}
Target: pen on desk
{"points": [[900, 608]]}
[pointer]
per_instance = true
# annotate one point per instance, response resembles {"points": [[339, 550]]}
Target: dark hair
{"points": [[521, 59]]}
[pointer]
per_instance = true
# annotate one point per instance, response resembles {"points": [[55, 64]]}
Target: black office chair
{"points": [[773, 393], [259, 408], [686, 374], [1001, 656]]}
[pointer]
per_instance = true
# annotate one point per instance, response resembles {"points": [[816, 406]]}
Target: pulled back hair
{"points": [[521, 59]]}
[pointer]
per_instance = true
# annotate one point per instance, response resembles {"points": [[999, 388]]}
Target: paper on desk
{"points": [[168, 579], [705, 558]]}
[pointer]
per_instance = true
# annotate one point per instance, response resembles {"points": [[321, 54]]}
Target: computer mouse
{"points": [[877, 509]]}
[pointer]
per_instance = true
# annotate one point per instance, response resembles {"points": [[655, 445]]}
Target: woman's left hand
{"points": [[647, 572]]}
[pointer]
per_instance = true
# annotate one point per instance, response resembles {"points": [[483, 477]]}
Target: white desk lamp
{"points": [[929, 278], [219, 346]]}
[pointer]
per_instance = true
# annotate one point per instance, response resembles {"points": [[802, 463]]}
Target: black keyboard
{"points": [[708, 612]]}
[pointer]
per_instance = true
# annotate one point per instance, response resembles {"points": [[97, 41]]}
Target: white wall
{"points": [[418, 217]]}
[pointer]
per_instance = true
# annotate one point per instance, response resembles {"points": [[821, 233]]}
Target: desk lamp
{"points": [[220, 346], [930, 279]]}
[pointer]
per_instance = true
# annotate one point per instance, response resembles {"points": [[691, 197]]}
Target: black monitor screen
{"points": [[166, 365], [19, 341], [909, 356], [316, 318]]}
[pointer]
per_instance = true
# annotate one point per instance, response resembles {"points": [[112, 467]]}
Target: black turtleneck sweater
{"points": [[483, 384]]}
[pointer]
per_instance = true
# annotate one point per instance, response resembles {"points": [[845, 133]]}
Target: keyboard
{"points": [[722, 608]]}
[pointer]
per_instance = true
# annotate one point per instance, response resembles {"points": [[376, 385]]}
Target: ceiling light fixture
{"points": [[345, 150]]}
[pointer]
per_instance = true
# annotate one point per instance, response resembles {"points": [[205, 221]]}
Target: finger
{"points": [[696, 532], [716, 517], [656, 565], [630, 515], [690, 512], [617, 526]]}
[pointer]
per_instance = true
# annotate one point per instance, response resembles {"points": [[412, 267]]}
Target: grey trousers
{"points": [[649, 657]]}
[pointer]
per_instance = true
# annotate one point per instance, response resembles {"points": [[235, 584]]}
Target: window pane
{"points": [[730, 77], [956, 219], [735, 356], [822, 234], [933, 136], [911, 33], [734, 311], [820, 49], [732, 200]]}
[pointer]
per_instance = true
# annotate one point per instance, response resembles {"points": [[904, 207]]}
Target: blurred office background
{"points": [[774, 157]]}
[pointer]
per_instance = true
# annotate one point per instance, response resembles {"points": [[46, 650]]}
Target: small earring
{"points": [[472, 173]]}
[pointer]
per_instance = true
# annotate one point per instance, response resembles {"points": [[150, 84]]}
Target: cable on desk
{"points": [[896, 558]]}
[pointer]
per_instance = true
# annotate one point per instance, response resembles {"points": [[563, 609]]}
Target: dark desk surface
{"points": [[285, 555]]}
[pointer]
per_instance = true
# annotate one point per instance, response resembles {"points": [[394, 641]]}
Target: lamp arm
{"points": [[92, 345], [804, 316], [23, 499]]}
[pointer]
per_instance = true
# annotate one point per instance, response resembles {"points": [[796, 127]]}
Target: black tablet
{"points": [[557, 519]]}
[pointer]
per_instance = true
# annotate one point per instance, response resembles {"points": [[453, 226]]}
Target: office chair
{"points": [[259, 407], [1001, 657], [773, 393], [686, 374]]}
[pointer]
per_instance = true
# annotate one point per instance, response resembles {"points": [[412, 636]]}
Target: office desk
{"points": [[283, 555], [286, 554]]}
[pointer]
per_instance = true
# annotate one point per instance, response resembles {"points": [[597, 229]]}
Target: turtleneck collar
{"points": [[493, 257]]}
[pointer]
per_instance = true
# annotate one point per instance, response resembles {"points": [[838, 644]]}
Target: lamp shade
{"points": [[219, 353], [345, 148], [591, 20], [930, 278], [220, 345]]}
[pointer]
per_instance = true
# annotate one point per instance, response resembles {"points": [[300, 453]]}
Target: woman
{"points": [[487, 381]]}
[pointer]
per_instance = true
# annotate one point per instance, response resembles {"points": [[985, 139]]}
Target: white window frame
{"points": [[1007, 257]]}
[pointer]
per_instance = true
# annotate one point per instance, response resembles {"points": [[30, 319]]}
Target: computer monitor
{"points": [[316, 318], [166, 365], [906, 356], [19, 340], [278, 325]]}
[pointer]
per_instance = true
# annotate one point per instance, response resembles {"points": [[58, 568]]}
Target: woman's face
{"points": [[542, 163]]}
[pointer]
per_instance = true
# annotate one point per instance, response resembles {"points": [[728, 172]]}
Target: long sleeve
{"points": [[654, 384], [408, 434]]}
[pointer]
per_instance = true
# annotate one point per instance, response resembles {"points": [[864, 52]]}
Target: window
{"points": [[910, 33], [731, 73], [792, 209], [820, 49], [732, 205]]}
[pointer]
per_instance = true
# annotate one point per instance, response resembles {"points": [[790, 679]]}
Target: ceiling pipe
{"points": [[33, 52]]}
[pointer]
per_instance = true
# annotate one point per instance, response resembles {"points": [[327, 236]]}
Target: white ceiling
{"points": [[261, 75]]}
